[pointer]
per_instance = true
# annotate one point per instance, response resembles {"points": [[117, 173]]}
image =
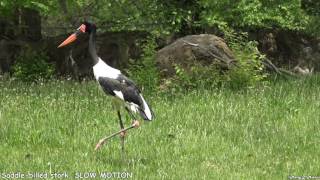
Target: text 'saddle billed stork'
{"points": [[125, 92]]}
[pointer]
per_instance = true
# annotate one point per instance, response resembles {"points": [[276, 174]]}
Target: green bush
{"points": [[249, 69], [144, 71], [199, 77], [33, 66], [284, 14]]}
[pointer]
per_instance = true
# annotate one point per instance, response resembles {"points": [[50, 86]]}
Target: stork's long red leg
{"points": [[135, 124]]}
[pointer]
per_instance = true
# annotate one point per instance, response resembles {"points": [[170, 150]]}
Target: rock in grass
{"points": [[205, 49]]}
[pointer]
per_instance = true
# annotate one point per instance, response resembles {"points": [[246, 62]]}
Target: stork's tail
{"points": [[146, 112]]}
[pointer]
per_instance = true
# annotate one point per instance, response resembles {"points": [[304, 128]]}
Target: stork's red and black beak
{"points": [[73, 37]]}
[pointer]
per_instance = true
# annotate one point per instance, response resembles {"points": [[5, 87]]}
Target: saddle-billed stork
{"points": [[126, 94]]}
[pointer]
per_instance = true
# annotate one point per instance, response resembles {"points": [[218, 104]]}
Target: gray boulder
{"points": [[205, 49]]}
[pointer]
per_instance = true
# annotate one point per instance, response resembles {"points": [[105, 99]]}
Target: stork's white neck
{"points": [[101, 69]]}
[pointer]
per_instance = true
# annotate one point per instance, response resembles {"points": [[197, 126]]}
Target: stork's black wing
{"points": [[123, 79], [124, 88], [123, 85]]}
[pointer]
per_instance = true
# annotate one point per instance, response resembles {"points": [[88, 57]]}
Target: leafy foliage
{"points": [[285, 14], [33, 66], [164, 16], [7, 7], [249, 70], [312, 7], [199, 76], [145, 71]]}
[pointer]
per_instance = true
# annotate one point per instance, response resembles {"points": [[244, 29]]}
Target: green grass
{"points": [[267, 132]]}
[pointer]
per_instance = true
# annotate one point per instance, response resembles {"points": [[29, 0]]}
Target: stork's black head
{"points": [[85, 27]]}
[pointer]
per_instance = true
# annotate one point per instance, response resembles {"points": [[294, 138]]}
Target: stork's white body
{"points": [[101, 69], [120, 86]]}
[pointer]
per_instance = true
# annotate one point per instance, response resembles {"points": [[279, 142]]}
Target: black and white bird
{"points": [[126, 94]]}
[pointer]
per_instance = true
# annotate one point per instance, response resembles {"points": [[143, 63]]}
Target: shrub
{"points": [[199, 77], [249, 70], [144, 71], [33, 66]]}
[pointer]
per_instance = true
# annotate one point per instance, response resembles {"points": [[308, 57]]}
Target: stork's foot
{"points": [[100, 143]]}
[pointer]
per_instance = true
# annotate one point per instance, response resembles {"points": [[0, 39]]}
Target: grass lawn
{"points": [[267, 132]]}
